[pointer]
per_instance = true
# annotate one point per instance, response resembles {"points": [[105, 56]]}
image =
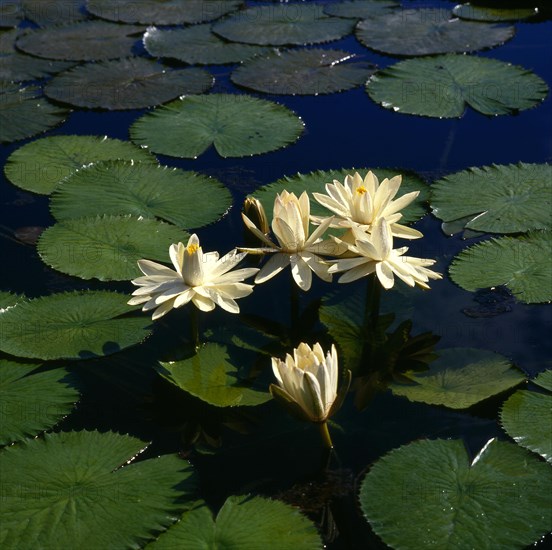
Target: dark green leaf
{"points": [[361, 9], [485, 13]]}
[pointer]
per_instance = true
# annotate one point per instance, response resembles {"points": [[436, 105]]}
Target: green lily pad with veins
{"points": [[236, 125], [132, 83], [83, 490], [361, 9], [433, 495], [522, 264], [443, 86], [428, 31], [490, 14], [41, 165], [496, 199], [184, 198]]}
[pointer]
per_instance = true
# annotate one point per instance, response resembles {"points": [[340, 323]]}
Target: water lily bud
{"points": [[254, 210]]}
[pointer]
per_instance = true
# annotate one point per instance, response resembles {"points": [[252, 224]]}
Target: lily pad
{"points": [[11, 13], [527, 416], [197, 45], [429, 494], [33, 402], [522, 264], [77, 489], [40, 165], [460, 378], [544, 380], [242, 522], [361, 9], [25, 113], [283, 24], [131, 83], [210, 376], [429, 31], [84, 41], [162, 12], [489, 14], [496, 199], [119, 187], [113, 245], [442, 86], [8, 299], [54, 12], [303, 72], [315, 182], [236, 125], [71, 325]]}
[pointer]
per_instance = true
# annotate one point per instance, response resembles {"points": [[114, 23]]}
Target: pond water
{"points": [[260, 450]]}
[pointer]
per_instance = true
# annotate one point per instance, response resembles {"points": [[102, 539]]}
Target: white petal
{"points": [[162, 310], [275, 264], [202, 303], [346, 264], [385, 275], [358, 272], [237, 275], [183, 298], [400, 203], [257, 232], [176, 253], [324, 224], [147, 267], [405, 232], [302, 275], [331, 204]]}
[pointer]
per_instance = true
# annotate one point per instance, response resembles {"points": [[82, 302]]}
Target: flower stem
{"points": [[323, 426], [194, 321], [372, 305], [294, 308]]}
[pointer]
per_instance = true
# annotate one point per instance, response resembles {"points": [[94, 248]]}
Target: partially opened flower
{"points": [[308, 383], [202, 278], [361, 203], [290, 225], [375, 253]]}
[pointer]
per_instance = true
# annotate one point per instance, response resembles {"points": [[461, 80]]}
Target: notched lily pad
{"points": [[431, 494], [40, 165], [283, 24], [460, 378], [33, 402], [361, 9], [24, 112], [496, 199], [428, 31], [544, 380], [132, 83], [490, 14], [119, 187], [71, 325], [197, 45], [236, 125], [78, 489], [162, 12], [442, 86], [54, 12], [210, 376], [303, 72], [522, 264], [113, 243], [84, 41]]}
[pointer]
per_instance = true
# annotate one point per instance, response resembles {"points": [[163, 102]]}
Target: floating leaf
{"points": [[496, 199], [484, 13], [74, 489], [522, 264], [315, 182], [283, 24], [54, 12], [8, 299], [25, 113], [197, 45], [429, 495], [361, 9], [162, 12], [113, 245], [237, 126], [84, 41], [442, 86], [460, 378], [303, 72], [131, 83], [210, 376], [40, 165], [71, 325], [11, 13], [430, 31], [527, 416], [544, 380], [118, 187], [242, 522], [32, 402]]}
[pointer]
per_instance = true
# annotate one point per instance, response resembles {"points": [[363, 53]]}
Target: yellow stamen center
{"points": [[192, 248], [361, 189]]}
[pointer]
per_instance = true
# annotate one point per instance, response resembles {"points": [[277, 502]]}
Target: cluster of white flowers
{"points": [[367, 211]]}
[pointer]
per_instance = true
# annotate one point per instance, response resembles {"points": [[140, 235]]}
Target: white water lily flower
{"points": [[203, 278], [308, 382], [290, 225], [361, 203], [375, 253]]}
